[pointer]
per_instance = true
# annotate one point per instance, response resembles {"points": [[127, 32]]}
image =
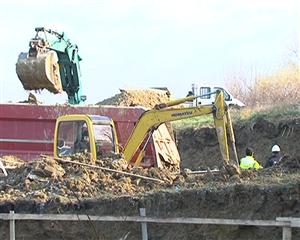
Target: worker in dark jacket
{"points": [[84, 143], [275, 158], [249, 162]]}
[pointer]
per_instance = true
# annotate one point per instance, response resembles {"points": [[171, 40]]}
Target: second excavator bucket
{"points": [[39, 72]]}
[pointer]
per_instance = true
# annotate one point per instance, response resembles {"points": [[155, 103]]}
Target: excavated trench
{"points": [[199, 147], [239, 201]]}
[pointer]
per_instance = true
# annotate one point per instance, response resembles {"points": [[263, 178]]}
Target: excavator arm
{"points": [[51, 63], [151, 119]]}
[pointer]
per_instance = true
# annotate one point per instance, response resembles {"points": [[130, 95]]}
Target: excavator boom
{"points": [[151, 119]]}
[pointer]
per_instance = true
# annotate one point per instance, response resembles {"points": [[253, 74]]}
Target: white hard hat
{"points": [[275, 148]]}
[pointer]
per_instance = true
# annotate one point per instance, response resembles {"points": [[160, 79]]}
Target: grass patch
{"points": [[274, 113], [196, 122], [243, 116]]}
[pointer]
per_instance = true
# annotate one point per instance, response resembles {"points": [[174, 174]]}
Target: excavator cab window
{"points": [[72, 138], [104, 138], [65, 139], [82, 143]]}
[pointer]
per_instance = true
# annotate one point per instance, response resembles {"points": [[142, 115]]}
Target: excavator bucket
{"points": [[39, 71]]}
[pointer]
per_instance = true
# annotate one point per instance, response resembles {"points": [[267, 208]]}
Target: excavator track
{"points": [[39, 72]]}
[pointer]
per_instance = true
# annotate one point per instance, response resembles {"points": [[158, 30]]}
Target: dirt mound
{"points": [[49, 179], [11, 161], [142, 97]]}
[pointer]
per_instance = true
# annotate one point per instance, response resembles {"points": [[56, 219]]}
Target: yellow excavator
{"points": [[97, 136]]}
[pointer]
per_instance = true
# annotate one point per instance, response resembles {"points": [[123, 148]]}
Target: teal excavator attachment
{"points": [[51, 63]]}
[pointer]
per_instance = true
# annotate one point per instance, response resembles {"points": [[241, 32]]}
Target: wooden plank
{"points": [[286, 233], [287, 219], [12, 233], [295, 222], [144, 224], [203, 171], [3, 168], [180, 220]]}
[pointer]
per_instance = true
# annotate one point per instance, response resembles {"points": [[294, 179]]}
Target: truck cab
{"points": [[205, 98]]}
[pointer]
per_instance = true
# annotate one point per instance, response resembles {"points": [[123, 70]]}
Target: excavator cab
{"points": [[85, 134]]}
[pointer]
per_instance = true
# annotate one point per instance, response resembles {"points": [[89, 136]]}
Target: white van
{"points": [[205, 98]]}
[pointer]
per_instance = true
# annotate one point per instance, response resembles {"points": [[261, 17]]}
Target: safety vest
{"points": [[249, 162]]}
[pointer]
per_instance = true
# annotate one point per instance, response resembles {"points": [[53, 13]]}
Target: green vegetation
{"points": [[196, 122], [242, 116], [274, 113]]}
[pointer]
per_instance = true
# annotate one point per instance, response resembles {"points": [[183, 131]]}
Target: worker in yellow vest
{"points": [[249, 162]]}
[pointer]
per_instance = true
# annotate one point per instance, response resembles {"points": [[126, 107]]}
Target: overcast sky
{"points": [[146, 43]]}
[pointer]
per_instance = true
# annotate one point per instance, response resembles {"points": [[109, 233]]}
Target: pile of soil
{"points": [[47, 179], [141, 97]]}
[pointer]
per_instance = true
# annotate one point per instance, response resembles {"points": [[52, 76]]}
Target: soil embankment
{"points": [[199, 147], [242, 201]]}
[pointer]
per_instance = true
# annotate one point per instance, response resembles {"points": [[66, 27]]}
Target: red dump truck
{"points": [[27, 130]]}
